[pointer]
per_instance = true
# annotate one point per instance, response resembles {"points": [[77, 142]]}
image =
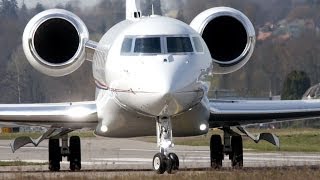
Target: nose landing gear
{"points": [[165, 161]]}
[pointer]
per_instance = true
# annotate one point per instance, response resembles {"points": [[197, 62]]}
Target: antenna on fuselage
{"points": [[133, 10], [152, 10]]}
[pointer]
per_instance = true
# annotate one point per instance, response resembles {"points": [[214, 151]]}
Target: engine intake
{"points": [[229, 35], [54, 42]]}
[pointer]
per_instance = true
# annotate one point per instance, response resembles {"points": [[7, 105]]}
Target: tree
{"points": [[9, 8], [147, 7], [295, 85], [24, 9], [24, 14], [39, 8]]}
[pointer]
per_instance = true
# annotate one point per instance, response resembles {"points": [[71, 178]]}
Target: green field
{"points": [[19, 163], [298, 140], [294, 140]]}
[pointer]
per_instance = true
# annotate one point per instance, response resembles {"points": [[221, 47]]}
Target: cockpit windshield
{"points": [[147, 45], [152, 45], [126, 45], [179, 44]]}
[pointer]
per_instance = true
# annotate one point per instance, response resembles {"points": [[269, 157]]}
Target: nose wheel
{"points": [[162, 163], [174, 163], [159, 163], [165, 161]]}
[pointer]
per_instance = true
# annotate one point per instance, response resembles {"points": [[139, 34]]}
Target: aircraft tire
{"points": [[237, 152], [54, 155], [172, 163], [216, 152], [75, 153], [159, 163]]}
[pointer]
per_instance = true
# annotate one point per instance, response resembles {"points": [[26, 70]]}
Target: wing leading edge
{"points": [[237, 113], [59, 115]]}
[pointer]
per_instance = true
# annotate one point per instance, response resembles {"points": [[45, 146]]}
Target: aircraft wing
{"points": [[237, 113], [59, 115]]}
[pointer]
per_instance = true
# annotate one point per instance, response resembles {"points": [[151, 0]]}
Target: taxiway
{"points": [[129, 154]]}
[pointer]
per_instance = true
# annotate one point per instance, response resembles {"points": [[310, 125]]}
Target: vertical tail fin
{"points": [[133, 9]]}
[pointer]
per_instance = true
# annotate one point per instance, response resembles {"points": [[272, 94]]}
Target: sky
{"points": [[52, 3]]}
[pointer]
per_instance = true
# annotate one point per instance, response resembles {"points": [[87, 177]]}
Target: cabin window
{"points": [[179, 44], [197, 44], [148, 45], [126, 45]]}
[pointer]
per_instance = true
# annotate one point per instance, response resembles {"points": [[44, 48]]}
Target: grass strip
{"points": [[291, 140], [296, 173], [20, 163]]}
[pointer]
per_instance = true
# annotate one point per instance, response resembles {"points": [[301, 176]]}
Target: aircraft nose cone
{"points": [[172, 96], [166, 89]]}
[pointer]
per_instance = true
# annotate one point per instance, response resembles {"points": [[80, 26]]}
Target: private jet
{"points": [[151, 76]]}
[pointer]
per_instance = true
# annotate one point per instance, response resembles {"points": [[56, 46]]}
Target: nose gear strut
{"points": [[165, 161]]}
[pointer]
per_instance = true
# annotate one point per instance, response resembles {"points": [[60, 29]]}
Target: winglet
{"points": [[133, 9]]}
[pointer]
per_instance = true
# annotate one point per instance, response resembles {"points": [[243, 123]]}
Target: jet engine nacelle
{"points": [[229, 35], [54, 42]]}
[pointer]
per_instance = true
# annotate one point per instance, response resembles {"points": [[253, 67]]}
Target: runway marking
{"points": [[27, 161], [137, 163], [207, 159], [272, 155], [281, 159], [192, 159], [156, 150], [26, 147], [282, 154], [123, 159]]}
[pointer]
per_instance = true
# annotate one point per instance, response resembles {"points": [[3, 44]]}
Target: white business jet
{"points": [[150, 74]]}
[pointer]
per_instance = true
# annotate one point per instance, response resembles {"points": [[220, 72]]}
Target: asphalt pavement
{"points": [[130, 154]]}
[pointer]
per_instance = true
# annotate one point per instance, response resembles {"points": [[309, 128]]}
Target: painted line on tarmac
{"points": [[123, 159], [280, 159], [27, 161], [156, 150], [26, 147], [206, 159], [83, 162], [146, 161]]}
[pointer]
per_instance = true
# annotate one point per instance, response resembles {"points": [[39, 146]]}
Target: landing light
{"points": [[104, 128], [203, 127], [78, 112]]}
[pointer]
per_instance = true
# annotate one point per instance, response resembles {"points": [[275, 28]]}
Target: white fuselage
{"points": [[147, 68]]}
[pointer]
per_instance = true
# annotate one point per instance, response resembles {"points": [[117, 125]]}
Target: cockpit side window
{"points": [[197, 44], [179, 44], [126, 45], [148, 45]]}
